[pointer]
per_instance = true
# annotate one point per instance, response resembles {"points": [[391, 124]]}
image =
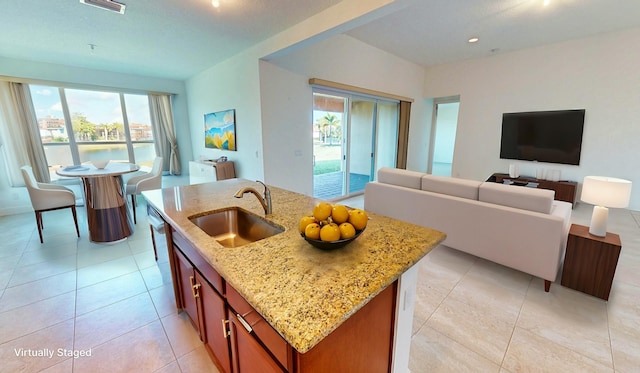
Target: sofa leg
{"points": [[547, 285]]}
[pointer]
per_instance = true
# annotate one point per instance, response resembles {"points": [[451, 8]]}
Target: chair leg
{"points": [[39, 224], [133, 204], [153, 240], [75, 219]]}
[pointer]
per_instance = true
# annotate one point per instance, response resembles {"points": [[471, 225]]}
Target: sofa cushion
{"points": [[400, 177], [451, 186], [532, 199]]}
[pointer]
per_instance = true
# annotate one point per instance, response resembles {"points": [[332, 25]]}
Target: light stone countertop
{"points": [[303, 292]]}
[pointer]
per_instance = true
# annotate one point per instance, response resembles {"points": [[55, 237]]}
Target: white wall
{"points": [[599, 74], [352, 62], [286, 128], [233, 84], [274, 102]]}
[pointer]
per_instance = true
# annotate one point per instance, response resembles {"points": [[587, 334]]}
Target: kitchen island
{"points": [[308, 296]]}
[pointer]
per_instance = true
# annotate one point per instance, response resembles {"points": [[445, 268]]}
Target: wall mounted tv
{"points": [[543, 136]]}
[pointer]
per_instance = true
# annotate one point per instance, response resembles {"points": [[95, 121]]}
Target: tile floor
{"points": [[476, 316], [70, 296]]}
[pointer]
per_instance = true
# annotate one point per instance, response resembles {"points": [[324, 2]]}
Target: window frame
{"points": [[75, 145]]}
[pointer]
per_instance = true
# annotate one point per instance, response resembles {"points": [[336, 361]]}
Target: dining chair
{"points": [[147, 181], [48, 197]]}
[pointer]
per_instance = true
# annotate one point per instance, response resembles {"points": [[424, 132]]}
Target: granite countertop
{"points": [[303, 292]]}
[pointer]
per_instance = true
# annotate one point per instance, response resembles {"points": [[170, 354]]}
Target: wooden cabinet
{"points": [[565, 190], [186, 281], [248, 354], [214, 321], [590, 261], [240, 340], [204, 305], [247, 323], [361, 344]]}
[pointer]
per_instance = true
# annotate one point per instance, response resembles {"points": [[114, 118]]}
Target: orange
{"points": [[330, 233], [322, 211], [339, 214], [312, 231], [306, 220], [346, 231], [358, 218]]}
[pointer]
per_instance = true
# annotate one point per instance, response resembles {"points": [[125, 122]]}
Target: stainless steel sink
{"points": [[234, 227]]}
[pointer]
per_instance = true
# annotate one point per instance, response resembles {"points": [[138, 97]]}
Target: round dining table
{"points": [[108, 216]]}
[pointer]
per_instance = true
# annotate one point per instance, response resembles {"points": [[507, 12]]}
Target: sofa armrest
{"points": [[563, 210]]}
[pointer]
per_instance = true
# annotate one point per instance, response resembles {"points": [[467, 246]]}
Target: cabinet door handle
{"points": [[194, 287], [244, 323], [225, 332]]}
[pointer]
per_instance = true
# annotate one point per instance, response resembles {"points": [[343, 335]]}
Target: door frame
{"points": [[434, 123]]}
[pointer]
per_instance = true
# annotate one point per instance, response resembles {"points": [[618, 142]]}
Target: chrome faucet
{"points": [[264, 201]]}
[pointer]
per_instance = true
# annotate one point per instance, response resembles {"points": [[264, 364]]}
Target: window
{"points": [[77, 126]]}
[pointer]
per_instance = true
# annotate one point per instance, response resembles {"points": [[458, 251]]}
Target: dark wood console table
{"points": [[565, 190]]}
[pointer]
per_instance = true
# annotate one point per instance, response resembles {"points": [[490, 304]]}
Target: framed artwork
{"points": [[220, 130]]}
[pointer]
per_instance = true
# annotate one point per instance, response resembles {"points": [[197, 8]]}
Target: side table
{"points": [[590, 261]]}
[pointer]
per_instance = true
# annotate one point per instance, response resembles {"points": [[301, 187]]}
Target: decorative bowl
{"points": [[100, 164], [325, 245]]}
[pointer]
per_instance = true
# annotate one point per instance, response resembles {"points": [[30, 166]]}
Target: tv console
{"points": [[565, 190]]}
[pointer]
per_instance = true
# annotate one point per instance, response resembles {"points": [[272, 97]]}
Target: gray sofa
{"points": [[518, 227]]}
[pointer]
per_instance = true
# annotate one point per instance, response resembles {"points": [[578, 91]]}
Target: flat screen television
{"points": [[543, 136]]}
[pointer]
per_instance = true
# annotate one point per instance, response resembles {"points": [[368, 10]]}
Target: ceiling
{"points": [[164, 38], [431, 32], [177, 39]]}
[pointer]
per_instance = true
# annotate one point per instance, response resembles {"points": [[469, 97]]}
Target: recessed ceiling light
{"points": [[215, 3], [546, 2], [473, 40]]}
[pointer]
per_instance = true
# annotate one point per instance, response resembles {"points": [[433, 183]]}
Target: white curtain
{"points": [[20, 133], [164, 132]]}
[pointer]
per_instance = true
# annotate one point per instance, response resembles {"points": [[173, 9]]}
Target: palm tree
{"points": [[328, 122], [84, 130]]}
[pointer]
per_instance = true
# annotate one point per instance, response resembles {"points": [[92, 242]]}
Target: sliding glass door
{"points": [[353, 136], [361, 144], [329, 151]]}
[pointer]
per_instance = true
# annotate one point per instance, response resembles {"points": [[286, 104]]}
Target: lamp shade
{"points": [[606, 191]]}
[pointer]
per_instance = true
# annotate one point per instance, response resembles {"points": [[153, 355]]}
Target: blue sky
{"points": [[98, 107]]}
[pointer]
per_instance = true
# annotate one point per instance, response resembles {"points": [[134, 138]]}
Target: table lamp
{"points": [[604, 192]]}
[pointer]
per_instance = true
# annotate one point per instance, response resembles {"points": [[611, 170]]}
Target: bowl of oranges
{"points": [[331, 227]]}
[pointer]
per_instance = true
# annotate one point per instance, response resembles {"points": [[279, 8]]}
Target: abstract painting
{"points": [[220, 130]]}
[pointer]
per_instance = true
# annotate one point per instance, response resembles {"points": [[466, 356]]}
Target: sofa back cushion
{"points": [[532, 199], [400, 177], [451, 186]]}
